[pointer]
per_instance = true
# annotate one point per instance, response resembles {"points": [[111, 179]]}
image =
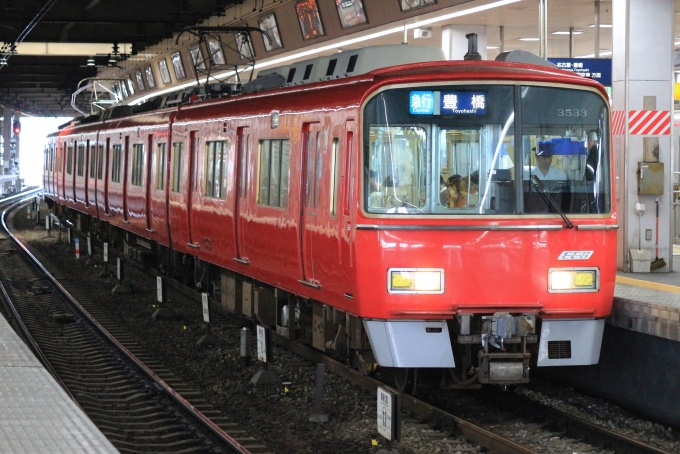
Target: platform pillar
{"points": [[642, 87]]}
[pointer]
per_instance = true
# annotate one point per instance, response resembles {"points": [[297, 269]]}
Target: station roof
{"points": [[41, 76]]}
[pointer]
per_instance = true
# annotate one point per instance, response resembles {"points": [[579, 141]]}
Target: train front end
{"points": [[486, 241]]}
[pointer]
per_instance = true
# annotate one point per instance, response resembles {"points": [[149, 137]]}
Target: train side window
{"points": [[81, 160], [115, 163], [93, 160], [274, 172], [69, 161], [176, 166], [334, 176], [243, 152], [215, 167], [137, 164], [308, 71], [100, 162], [319, 169], [160, 166], [310, 182]]}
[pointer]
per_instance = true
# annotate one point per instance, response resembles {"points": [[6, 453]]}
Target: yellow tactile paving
{"points": [[647, 284]]}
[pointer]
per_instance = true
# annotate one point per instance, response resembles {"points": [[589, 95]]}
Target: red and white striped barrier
{"points": [[642, 122]]}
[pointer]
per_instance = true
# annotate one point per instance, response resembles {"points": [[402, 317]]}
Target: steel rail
{"points": [[169, 391]]}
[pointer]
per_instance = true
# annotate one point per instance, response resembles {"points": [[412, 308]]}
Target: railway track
{"points": [[138, 405], [486, 440]]}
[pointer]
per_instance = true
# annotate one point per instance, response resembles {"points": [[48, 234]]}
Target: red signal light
{"points": [[16, 129]]}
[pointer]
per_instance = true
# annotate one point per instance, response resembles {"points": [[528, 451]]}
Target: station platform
{"points": [[36, 414], [649, 303]]}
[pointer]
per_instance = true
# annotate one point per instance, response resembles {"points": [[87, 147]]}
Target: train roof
{"points": [[375, 65]]}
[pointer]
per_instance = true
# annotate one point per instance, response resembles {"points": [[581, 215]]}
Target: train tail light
{"points": [[567, 280], [415, 280]]}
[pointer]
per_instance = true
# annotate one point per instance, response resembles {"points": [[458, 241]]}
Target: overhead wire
{"points": [[8, 49]]}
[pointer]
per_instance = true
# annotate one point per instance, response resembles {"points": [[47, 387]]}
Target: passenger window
{"points": [[137, 164], [93, 160], [274, 172], [69, 161], [176, 166], [215, 169], [81, 160], [116, 158], [100, 162], [160, 166], [335, 170]]}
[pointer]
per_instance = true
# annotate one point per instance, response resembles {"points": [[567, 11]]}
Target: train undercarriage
{"points": [[495, 348]]}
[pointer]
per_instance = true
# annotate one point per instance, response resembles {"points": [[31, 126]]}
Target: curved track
{"points": [[137, 404]]}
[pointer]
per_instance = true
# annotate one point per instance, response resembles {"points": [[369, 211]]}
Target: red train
{"points": [[409, 212]]}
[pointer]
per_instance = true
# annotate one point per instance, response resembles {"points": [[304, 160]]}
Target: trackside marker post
{"points": [[317, 413], [389, 413], [77, 240], [245, 348], [105, 257], [120, 288], [206, 339], [160, 290], [264, 377]]}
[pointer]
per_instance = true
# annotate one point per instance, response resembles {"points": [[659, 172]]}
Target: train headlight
{"points": [[415, 280], [568, 280]]}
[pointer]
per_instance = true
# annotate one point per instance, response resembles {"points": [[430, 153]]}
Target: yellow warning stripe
{"points": [[647, 284]]}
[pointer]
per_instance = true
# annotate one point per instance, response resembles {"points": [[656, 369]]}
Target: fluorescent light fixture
{"points": [[575, 32], [677, 43], [601, 25], [348, 42], [493, 47], [528, 39], [593, 55]]}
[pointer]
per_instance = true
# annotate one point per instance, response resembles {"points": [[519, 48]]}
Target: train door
{"points": [[312, 166], [92, 175], [241, 196], [193, 151], [347, 186], [105, 186], [62, 171], [147, 182], [126, 152], [71, 167]]}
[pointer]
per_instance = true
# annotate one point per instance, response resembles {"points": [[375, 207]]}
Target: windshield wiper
{"points": [[537, 184]]}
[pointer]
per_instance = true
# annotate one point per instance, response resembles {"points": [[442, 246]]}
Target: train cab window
{"points": [[136, 178], [308, 71], [93, 160], [565, 149], [215, 169], [462, 150], [160, 165], [176, 183], [116, 161], [69, 161], [100, 162], [274, 172]]}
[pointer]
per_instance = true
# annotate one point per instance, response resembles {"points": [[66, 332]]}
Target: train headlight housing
{"points": [[415, 280], [571, 280]]}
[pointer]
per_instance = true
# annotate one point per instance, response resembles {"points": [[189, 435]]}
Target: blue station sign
{"points": [[599, 69]]}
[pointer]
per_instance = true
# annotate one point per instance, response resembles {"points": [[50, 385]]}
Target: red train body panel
{"points": [[192, 180]]}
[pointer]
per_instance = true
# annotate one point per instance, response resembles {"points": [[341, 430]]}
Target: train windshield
{"points": [[486, 149]]}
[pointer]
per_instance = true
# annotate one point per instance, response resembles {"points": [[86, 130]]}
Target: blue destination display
{"points": [[462, 103], [421, 103], [599, 69]]}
